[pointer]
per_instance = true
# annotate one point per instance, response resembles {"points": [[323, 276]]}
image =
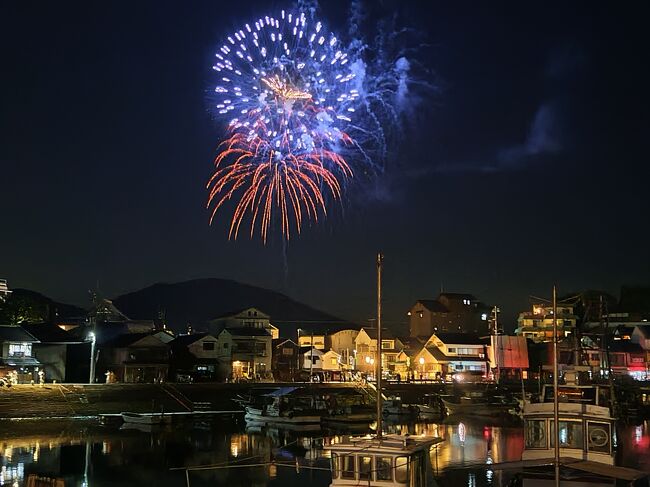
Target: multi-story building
{"points": [[446, 354], [450, 312], [366, 350], [537, 324], [4, 289], [246, 318]]}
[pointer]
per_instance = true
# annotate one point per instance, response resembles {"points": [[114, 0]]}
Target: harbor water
{"points": [[86, 453]]}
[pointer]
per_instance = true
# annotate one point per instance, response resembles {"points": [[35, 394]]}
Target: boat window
{"points": [[401, 469], [365, 468], [335, 465], [571, 434], [384, 468], [347, 466], [598, 437], [535, 433]]}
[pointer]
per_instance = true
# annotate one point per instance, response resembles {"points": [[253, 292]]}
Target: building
{"points": [[17, 361], [508, 357], [198, 358], [312, 340], [4, 289], [252, 352], [450, 312], [537, 324], [52, 351], [285, 359], [311, 358], [447, 354], [343, 343], [134, 357], [246, 318], [366, 350]]}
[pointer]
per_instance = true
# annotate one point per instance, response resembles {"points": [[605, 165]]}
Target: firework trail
{"points": [[299, 106]]}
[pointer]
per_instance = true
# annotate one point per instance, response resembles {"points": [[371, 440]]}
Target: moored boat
{"points": [[286, 405], [478, 404], [586, 424], [145, 418]]}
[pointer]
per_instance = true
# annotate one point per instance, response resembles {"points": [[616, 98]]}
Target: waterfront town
{"points": [[328, 243], [453, 338]]}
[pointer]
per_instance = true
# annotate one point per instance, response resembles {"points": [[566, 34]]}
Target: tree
{"points": [[17, 309]]}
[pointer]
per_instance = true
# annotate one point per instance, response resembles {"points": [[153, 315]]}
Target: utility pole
{"points": [[380, 261], [556, 411], [311, 356]]}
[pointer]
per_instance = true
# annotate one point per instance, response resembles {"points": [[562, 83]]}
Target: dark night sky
{"points": [[527, 165]]}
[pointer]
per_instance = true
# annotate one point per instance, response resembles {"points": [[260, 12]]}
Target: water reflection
{"points": [[87, 454]]}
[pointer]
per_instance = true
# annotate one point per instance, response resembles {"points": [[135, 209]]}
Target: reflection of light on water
{"points": [[471, 480], [273, 471], [489, 473], [12, 474], [638, 434], [461, 432]]}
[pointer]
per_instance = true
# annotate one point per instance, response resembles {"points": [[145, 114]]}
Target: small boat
{"points": [[394, 406], [146, 418], [286, 405], [479, 404], [431, 407]]}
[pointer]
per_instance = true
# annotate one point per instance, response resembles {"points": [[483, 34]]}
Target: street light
{"points": [[93, 339]]}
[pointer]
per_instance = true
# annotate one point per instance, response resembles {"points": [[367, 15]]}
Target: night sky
{"points": [[525, 166]]}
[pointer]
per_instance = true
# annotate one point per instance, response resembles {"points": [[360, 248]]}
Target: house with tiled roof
{"points": [[446, 354]]}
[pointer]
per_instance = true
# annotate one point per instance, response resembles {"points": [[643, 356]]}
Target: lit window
{"points": [[365, 468], [384, 468], [401, 470]]}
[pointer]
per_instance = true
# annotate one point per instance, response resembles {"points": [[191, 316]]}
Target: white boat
{"points": [[586, 424], [381, 460], [145, 418], [393, 460]]}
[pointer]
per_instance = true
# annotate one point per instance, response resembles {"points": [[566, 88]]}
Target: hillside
{"points": [[201, 300]]}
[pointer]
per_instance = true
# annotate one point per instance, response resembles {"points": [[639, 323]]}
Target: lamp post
{"points": [[93, 339]]}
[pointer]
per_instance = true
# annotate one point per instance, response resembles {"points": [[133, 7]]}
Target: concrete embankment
{"points": [[77, 400]]}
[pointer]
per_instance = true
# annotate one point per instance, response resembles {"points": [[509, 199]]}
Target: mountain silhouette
{"points": [[198, 301]]}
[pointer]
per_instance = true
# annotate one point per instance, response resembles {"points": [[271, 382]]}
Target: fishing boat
{"points": [[586, 424], [381, 460], [479, 403], [393, 406], [348, 407], [430, 407], [286, 405]]}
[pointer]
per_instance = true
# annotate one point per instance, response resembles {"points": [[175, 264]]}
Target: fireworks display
{"points": [[297, 106]]}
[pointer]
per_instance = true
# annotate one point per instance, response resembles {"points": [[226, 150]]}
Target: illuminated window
{"points": [[365, 468], [347, 467], [401, 470], [571, 434], [20, 349], [535, 431]]}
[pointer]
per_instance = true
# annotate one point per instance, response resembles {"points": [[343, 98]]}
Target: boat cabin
{"points": [[392, 461], [586, 425]]}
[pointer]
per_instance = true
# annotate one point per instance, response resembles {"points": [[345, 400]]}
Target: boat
{"points": [[430, 407], [286, 405], [381, 460], [479, 403], [587, 427], [347, 407], [145, 418], [391, 460], [393, 406]]}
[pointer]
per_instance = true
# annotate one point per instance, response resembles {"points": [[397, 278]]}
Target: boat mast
{"points": [[556, 412], [380, 260]]}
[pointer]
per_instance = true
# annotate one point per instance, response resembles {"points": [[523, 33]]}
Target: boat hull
{"points": [[257, 415]]}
